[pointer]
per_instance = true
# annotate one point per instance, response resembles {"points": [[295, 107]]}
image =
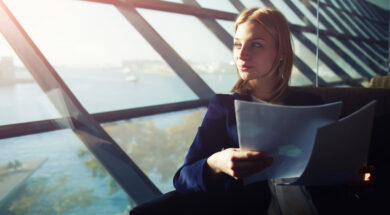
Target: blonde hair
{"points": [[277, 26]]}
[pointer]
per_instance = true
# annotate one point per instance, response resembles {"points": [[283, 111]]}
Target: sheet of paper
{"points": [[287, 133], [340, 150]]}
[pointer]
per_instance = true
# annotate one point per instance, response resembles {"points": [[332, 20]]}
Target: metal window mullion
{"points": [[308, 72], [298, 12], [355, 9], [238, 5], [169, 7], [365, 17], [323, 56], [174, 60], [311, 28], [116, 162], [351, 47], [367, 7], [337, 22], [214, 27], [359, 29], [348, 44], [25, 128], [213, 14]]}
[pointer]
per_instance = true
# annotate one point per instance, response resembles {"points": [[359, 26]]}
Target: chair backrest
{"points": [[380, 82]]}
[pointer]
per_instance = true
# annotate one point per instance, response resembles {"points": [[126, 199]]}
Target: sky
{"points": [[74, 33], [77, 33]]}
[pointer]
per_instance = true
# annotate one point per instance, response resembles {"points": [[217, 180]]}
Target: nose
{"points": [[243, 53]]}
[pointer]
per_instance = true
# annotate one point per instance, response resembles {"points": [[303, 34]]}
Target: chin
{"points": [[247, 77]]}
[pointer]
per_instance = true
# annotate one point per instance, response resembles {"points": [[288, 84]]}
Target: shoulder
{"points": [[220, 104], [296, 96], [226, 100]]}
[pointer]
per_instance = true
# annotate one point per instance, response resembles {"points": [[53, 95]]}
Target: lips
{"points": [[244, 67]]}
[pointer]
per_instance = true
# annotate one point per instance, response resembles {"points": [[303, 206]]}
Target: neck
{"points": [[265, 88]]}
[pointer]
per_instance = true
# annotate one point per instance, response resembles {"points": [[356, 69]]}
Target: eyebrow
{"points": [[255, 38]]}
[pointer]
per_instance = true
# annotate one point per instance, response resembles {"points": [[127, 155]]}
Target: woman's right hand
{"points": [[238, 163]]}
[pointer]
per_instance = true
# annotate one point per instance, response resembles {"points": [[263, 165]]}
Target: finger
{"points": [[251, 164], [240, 155], [246, 164], [245, 173], [255, 155], [242, 173]]}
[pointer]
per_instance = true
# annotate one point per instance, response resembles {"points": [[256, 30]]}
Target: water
{"points": [[98, 91]]}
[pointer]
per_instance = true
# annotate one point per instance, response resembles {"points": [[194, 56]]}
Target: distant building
{"points": [[7, 71]]}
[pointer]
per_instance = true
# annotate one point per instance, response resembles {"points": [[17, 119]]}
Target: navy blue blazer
{"points": [[218, 131]]}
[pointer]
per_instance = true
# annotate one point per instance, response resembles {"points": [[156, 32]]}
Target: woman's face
{"points": [[254, 51]]}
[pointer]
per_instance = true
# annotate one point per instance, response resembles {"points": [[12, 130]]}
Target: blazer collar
{"points": [[246, 97]]}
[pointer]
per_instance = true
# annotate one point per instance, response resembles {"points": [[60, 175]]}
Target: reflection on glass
{"points": [[22, 100], [378, 61], [251, 3], [288, 12], [158, 143], [199, 47], [105, 62], [346, 28], [356, 25], [356, 57], [309, 58], [324, 16], [227, 25], [48, 174], [336, 55], [310, 17], [335, 4], [222, 5], [298, 79]]}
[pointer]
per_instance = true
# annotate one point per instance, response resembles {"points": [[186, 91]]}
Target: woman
{"points": [[209, 181]]}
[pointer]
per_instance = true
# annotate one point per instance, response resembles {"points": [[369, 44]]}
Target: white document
{"points": [[286, 133], [341, 150]]}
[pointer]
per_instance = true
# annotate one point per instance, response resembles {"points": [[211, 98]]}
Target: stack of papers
{"points": [[310, 144]]}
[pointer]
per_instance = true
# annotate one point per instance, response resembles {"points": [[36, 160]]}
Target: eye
{"points": [[237, 45], [257, 45]]}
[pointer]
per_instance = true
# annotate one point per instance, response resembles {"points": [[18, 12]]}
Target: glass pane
{"points": [[354, 58], [306, 53], [310, 17], [356, 25], [223, 5], [334, 54], [18, 90], [51, 173], [378, 30], [325, 18], [227, 25], [377, 60], [106, 63], [335, 4], [355, 8], [345, 6], [342, 24], [158, 144], [298, 79], [251, 3], [198, 46], [290, 15]]}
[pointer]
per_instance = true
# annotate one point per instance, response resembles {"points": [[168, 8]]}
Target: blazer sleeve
{"points": [[210, 138]]}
